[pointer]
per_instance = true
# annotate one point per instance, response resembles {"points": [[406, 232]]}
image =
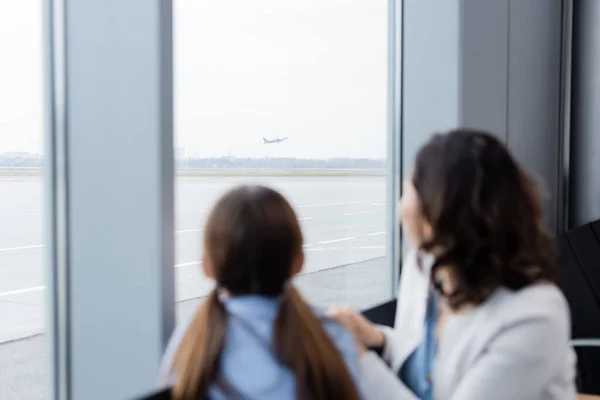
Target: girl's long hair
{"points": [[253, 241]]}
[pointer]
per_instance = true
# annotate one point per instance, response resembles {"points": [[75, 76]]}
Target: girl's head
{"points": [[253, 246], [252, 242], [471, 205]]}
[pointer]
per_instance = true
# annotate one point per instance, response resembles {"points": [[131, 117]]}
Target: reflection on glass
{"points": [[22, 352], [292, 95]]}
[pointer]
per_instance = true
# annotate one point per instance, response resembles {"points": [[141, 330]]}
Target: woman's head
{"points": [[471, 204], [252, 242]]}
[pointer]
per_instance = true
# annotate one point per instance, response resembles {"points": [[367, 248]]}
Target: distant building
{"points": [[17, 154]]}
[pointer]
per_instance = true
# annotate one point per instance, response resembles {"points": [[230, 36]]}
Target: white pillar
{"points": [[110, 194]]}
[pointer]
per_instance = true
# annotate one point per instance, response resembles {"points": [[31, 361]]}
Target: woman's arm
{"points": [[379, 382], [386, 349]]}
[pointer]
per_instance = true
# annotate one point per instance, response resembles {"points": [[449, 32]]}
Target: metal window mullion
{"points": [[56, 192], [394, 142], [563, 173]]}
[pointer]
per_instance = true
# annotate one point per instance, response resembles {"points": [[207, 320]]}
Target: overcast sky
{"points": [[312, 70]]}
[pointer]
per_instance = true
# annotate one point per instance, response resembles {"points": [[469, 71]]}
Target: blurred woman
{"points": [[479, 314], [254, 337]]}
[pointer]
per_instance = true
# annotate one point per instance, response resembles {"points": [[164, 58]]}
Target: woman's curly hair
{"points": [[485, 211]]}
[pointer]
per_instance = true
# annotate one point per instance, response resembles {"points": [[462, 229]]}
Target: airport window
{"points": [[292, 95], [22, 284]]}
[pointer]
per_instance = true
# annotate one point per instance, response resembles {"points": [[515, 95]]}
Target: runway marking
{"points": [[347, 248], [332, 228], [337, 240], [22, 291], [37, 246], [188, 264], [21, 214], [38, 288], [359, 213], [308, 247], [189, 231], [335, 204], [305, 218], [351, 238]]}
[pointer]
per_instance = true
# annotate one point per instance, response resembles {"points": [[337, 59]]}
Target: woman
{"points": [[254, 337], [479, 314]]}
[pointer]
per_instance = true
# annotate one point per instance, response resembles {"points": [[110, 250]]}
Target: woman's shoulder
{"points": [[529, 312], [540, 301], [533, 309]]}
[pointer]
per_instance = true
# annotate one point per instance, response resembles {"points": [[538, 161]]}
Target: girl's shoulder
{"points": [[333, 328], [343, 341]]}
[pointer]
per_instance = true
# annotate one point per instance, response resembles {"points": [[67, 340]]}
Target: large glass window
{"points": [[22, 346], [291, 94]]}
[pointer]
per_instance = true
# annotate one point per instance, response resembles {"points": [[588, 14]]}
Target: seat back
{"points": [[587, 372], [580, 263], [162, 395], [382, 314]]}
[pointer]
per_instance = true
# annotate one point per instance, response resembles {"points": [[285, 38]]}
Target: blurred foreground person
{"points": [[254, 337], [479, 315]]}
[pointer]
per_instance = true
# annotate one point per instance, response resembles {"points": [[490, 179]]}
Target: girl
{"points": [[254, 337]]}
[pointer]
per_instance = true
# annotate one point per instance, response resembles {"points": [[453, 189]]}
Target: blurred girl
{"points": [[254, 337]]}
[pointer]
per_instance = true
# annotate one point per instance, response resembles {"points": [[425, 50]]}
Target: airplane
{"points": [[276, 140]]}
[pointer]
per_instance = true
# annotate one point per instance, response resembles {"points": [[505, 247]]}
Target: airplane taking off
{"points": [[276, 140]]}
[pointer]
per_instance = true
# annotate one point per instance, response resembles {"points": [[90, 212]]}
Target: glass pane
{"points": [[291, 94], [22, 346]]}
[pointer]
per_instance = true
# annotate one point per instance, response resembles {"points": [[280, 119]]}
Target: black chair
{"points": [[162, 395], [382, 314], [580, 262], [586, 349]]}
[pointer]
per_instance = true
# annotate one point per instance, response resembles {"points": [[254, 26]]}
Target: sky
{"points": [[312, 70]]}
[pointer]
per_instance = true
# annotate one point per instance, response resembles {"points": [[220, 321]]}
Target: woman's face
{"points": [[414, 224]]}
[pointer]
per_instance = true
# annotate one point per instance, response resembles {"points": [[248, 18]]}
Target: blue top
{"points": [[417, 369], [247, 364]]}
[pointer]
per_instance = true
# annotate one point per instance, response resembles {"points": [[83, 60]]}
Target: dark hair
{"points": [[253, 240], [486, 215]]}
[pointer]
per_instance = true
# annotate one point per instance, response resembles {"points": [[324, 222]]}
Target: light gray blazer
{"points": [[514, 346]]}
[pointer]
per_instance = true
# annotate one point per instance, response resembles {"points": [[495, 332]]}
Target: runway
{"points": [[342, 218]]}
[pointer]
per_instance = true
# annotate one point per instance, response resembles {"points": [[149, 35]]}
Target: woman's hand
{"points": [[365, 332]]}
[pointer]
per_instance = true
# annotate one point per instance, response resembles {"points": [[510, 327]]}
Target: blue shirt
{"points": [[247, 364], [417, 369]]}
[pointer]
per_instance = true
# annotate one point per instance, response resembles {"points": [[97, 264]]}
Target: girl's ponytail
{"points": [[304, 346], [197, 359]]}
